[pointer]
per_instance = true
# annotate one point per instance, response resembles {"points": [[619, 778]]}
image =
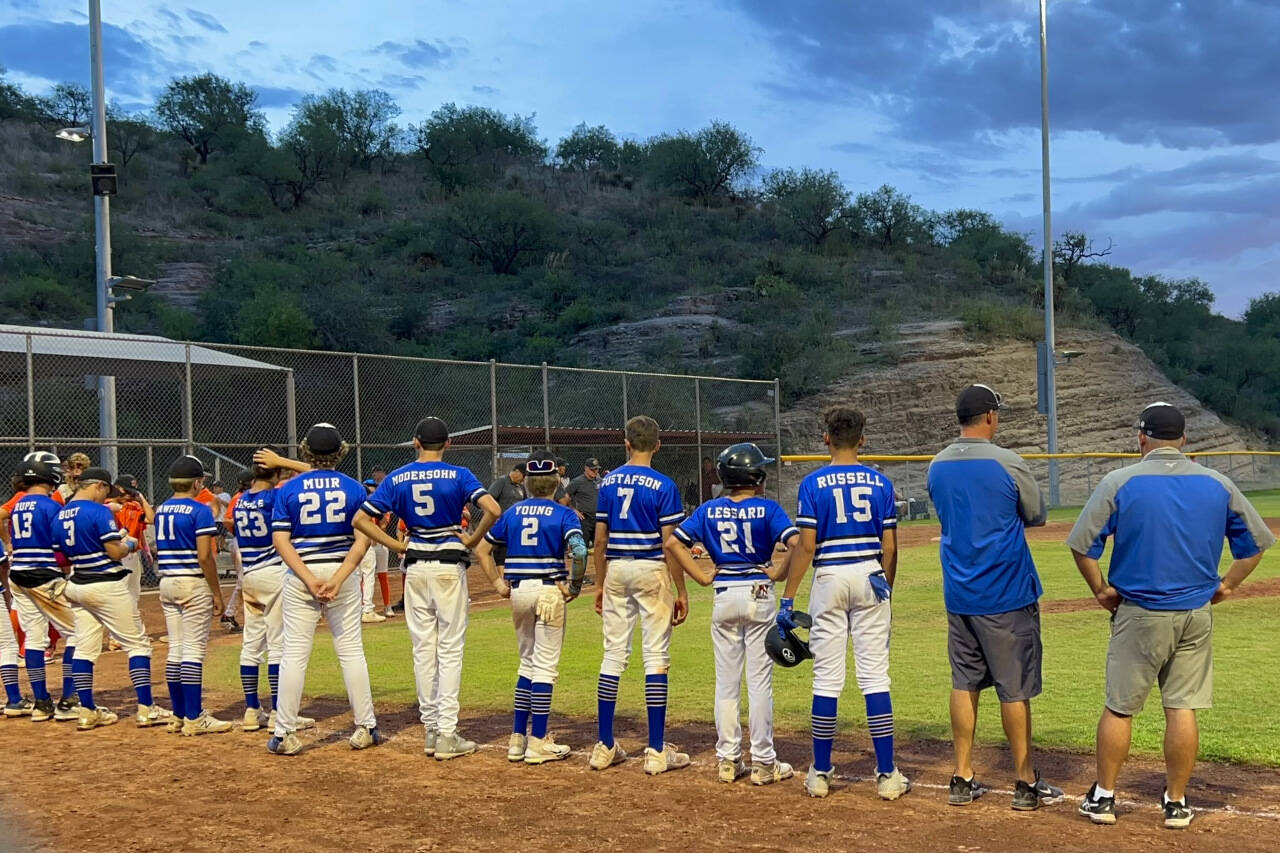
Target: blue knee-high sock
{"points": [[606, 704], [68, 672], [540, 707], [249, 681], [880, 724], [82, 672], [140, 675], [192, 674], [273, 680], [9, 675], [655, 700], [36, 676], [173, 678], [824, 731], [520, 720]]}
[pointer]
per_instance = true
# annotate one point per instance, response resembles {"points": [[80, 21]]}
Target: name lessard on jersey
{"points": [[428, 474], [850, 478], [624, 478], [735, 513]]}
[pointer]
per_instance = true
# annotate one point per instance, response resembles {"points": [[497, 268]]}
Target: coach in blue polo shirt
{"points": [[986, 497], [1168, 517]]}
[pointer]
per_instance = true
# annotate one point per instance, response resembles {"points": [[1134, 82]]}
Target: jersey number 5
{"points": [[335, 504], [423, 504], [859, 502]]}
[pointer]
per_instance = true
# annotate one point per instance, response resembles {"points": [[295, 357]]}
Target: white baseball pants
{"points": [[741, 617], [637, 591], [263, 635], [373, 563], [539, 642], [106, 605], [233, 603], [133, 562], [187, 604], [843, 606], [37, 608], [8, 642], [435, 609]]}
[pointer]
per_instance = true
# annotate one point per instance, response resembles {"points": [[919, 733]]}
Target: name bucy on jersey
{"points": [[739, 536], [252, 522], [316, 509], [34, 526], [536, 532], [849, 507], [85, 526], [179, 523], [430, 498], [635, 503]]}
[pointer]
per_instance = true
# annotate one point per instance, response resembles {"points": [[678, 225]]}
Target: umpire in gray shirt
{"points": [[582, 495], [508, 490]]}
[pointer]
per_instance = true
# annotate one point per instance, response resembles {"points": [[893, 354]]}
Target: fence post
{"points": [[355, 396], [546, 408], [493, 415], [31, 398], [625, 415], [188, 408], [291, 412], [697, 414], [151, 475], [777, 425]]}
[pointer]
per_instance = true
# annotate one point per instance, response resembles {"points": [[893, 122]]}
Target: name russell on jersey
{"points": [[850, 478]]}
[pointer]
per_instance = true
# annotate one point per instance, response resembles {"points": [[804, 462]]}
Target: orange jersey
{"points": [[132, 519], [235, 499]]}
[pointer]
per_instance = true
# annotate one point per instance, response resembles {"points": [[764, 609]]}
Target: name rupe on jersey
{"points": [[627, 479], [850, 478], [429, 474], [735, 513]]}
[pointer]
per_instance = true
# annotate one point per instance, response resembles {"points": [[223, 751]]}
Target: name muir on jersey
{"points": [[735, 513], [624, 479], [325, 483], [850, 478], [430, 474]]}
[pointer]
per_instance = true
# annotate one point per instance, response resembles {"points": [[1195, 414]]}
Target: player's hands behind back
{"points": [[786, 615]]}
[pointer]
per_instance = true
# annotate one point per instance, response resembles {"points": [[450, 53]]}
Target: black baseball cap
{"points": [[245, 478], [186, 468], [94, 475], [592, 463], [977, 400], [1162, 421], [126, 481], [324, 439], [431, 430]]}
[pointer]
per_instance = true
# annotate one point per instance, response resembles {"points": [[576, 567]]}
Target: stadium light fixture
{"points": [[75, 134]]}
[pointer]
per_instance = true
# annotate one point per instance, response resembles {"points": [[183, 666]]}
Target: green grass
{"points": [[1244, 725]]}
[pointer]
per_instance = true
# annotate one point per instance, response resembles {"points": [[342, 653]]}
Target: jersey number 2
{"points": [[529, 532], [335, 504]]}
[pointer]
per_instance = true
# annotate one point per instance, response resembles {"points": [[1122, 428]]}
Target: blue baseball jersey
{"points": [[739, 536], [84, 527], [316, 509], [34, 529], [429, 497], [850, 507], [536, 532], [179, 523], [252, 522], [635, 503]]}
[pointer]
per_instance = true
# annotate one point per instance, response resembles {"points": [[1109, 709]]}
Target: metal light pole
{"points": [[1050, 382], [102, 239]]}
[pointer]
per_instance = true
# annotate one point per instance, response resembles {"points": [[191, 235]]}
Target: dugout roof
{"points": [[72, 351]]}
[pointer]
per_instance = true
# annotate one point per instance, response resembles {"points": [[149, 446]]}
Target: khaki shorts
{"points": [[1173, 648]]}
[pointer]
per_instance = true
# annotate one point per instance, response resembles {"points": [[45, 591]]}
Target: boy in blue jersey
{"points": [[189, 594], [535, 534], [637, 510], [311, 524], [740, 530], [35, 578], [430, 496], [848, 523], [99, 587]]}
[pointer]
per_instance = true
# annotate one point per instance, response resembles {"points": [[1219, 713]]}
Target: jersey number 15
{"points": [[859, 501]]}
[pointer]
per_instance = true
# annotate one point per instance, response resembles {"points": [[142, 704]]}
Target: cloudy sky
{"points": [[1166, 114]]}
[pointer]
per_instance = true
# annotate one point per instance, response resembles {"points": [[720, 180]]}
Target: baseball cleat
{"points": [[303, 723], [1049, 794], [42, 711], [606, 756], [767, 774], [544, 749], [66, 710], [233, 627], [669, 758], [1098, 809], [731, 769], [287, 745], [388, 612], [372, 617], [153, 716], [890, 786], [516, 746], [21, 708], [1177, 815], [205, 724], [364, 737], [88, 720], [964, 791], [818, 782], [174, 726], [254, 719], [432, 737], [453, 746]]}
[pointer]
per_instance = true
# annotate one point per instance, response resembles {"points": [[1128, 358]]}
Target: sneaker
{"points": [[453, 746], [388, 612], [669, 758], [818, 782], [1177, 815], [732, 769], [516, 746], [544, 749], [174, 726], [1049, 794], [287, 745], [606, 756], [364, 737], [42, 710], [153, 716], [87, 719], [205, 724], [767, 774], [433, 736], [21, 708], [1098, 809], [233, 627], [890, 786], [1025, 797], [371, 617], [965, 791], [303, 723], [66, 710], [254, 719]]}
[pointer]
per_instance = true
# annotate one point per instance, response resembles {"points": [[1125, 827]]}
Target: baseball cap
{"points": [[977, 400], [245, 478], [592, 463], [324, 439], [371, 483], [540, 462], [95, 475], [125, 480], [431, 430], [186, 468], [1162, 421]]}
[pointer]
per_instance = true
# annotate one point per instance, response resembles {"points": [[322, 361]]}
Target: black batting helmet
{"points": [[742, 465], [789, 650], [41, 467]]}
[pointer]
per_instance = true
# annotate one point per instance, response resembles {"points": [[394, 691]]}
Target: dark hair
{"points": [[844, 425], [974, 420]]}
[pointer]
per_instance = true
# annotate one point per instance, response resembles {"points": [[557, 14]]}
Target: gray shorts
{"points": [[1171, 647], [1001, 650]]}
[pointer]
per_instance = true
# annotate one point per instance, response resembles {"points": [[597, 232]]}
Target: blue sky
{"points": [[1166, 114]]}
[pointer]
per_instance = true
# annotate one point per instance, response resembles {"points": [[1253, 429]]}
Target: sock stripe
{"points": [[9, 675]]}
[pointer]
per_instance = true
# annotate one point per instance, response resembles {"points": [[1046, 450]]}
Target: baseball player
{"points": [[740, 531], [34, 577], [536, 533], [848, 522], [243, 480], [311, 529], [374, 564], [99, 588], [429, 495], [16, 705], [189, 594], [637, 510]]}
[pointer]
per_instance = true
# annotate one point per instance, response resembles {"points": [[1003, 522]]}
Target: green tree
{"points": [[888, 217], [209, 112], [467, 145], [588, 148], [1262, 317], [704, 165], [812, 201], [498, 228], [128, 135], [68, 104], [14, 102], [360, 124]]}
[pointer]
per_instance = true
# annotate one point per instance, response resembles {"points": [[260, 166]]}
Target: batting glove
{"points": [[786, 620], [880, 586]]}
